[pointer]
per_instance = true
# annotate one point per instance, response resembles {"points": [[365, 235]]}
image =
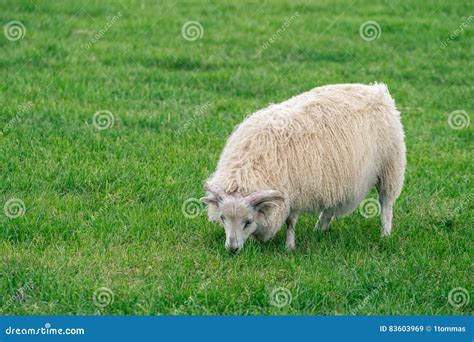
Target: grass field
{"points": [[104, 231]]}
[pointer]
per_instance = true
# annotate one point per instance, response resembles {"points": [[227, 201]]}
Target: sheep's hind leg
{"points": [[324, 220], [290, 231], [389, 185], [386, 213]]}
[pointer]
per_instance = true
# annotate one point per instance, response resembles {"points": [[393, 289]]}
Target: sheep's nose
{"points": [[233, 249]]}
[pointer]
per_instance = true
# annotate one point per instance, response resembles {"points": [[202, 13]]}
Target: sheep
{"points": [[318, 152]]}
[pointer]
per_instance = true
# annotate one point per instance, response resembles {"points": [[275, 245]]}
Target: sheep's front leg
{"points": [[290, 231], [324, 220]]}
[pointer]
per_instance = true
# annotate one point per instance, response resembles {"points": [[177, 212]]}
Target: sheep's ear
{"points": [[209, 200], [264, 199], [215, 194]]}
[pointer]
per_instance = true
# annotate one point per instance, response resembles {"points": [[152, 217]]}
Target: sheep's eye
{"points": [[248, 223]]}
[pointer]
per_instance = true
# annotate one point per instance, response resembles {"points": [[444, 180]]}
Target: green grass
{"points": [[104, 208]]}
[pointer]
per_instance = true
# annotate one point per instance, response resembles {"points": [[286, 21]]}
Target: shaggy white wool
{"points": [[323, 149]]}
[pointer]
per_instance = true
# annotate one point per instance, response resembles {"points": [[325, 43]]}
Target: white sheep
{"points": [[318, 152]]}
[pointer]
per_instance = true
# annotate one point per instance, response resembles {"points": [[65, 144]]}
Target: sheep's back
{"points": [[322, 148]]}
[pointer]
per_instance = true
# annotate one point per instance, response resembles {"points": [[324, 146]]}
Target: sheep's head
{"points": [[241, 216]]}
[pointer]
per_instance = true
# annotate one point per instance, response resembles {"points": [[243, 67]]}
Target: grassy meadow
{"points": [[113, 113]]}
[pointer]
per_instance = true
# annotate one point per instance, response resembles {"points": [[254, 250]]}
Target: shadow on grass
{"points": [[346, 235]]}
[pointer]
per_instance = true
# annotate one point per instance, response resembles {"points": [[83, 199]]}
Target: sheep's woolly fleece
{"points": [[323, 149]]}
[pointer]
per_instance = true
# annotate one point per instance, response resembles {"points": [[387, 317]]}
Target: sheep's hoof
{"points": [[385, 234], [290, 246], [321, 229]]}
